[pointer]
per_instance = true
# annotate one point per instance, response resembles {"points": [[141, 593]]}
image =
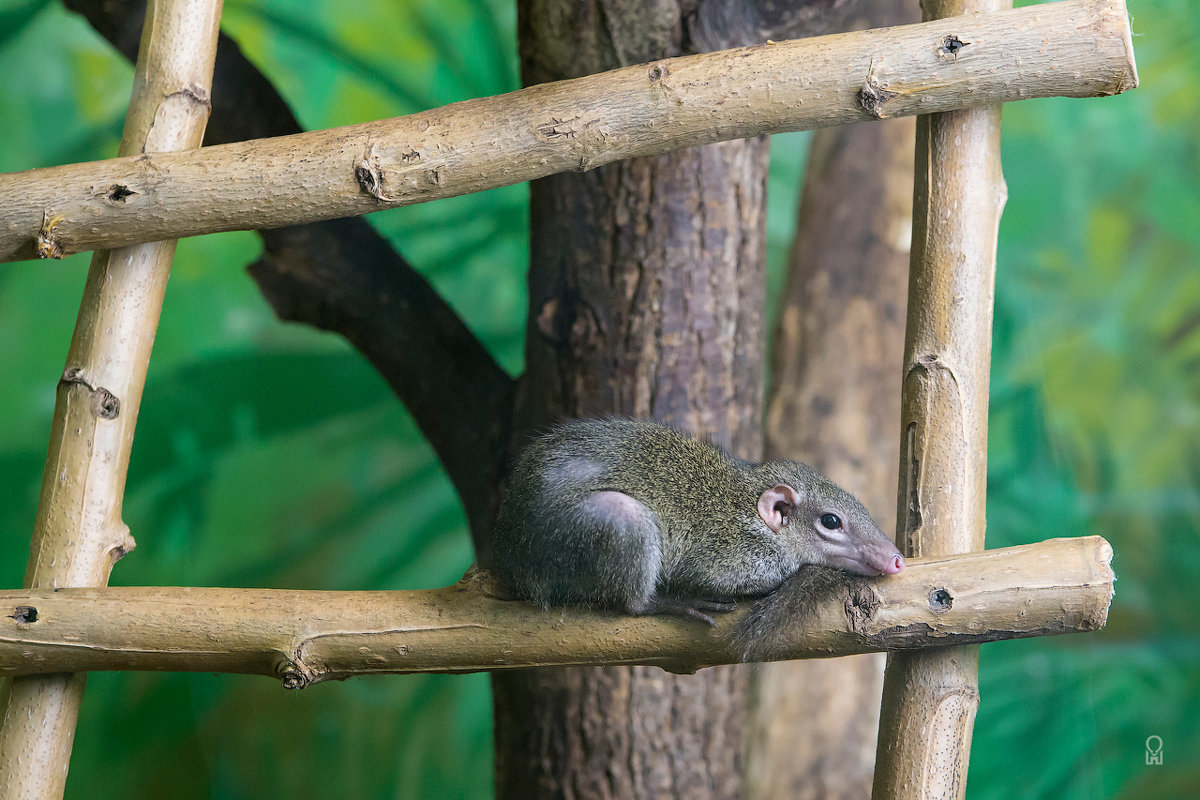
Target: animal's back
{"points": [[582, 521]]}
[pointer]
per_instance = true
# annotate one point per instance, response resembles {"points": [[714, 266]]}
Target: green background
{"points": [[272, 455]]}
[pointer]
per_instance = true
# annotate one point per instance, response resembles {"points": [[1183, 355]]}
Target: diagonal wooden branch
{"points": [[1074, 48], [1055, 586], [78, 533], [342, 276]]}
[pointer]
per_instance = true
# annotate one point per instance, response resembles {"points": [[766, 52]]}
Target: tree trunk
{"points": [[834, 404], [646, 299]]}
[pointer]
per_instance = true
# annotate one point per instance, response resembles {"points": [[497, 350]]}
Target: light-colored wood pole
{"points": [[78, 533], [302, 637], [1079, 48], [930, 698]]}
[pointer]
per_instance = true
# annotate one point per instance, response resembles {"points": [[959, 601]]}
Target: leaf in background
{"points": [[13, 20], [1094, 430]]}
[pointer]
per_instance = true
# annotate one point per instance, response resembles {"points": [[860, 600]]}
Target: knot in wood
{"points": [[105, 404], [860, 605]]}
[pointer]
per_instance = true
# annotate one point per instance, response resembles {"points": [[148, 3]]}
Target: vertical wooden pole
{"points": [[930, 698], [78, 533]]}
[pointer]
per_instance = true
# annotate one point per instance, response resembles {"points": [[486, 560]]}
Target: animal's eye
{"points": [[831, 521]]}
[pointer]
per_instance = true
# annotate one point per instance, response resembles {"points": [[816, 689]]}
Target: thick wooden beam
{"points": [[1075, 48], [1055, 586]]}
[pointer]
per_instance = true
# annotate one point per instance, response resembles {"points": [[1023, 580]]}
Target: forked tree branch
{"points": [[1055, 586], [1075, 48]]}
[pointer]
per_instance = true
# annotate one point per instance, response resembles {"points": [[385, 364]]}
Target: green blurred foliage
{"points": [[1094, 422], [272, 455]]}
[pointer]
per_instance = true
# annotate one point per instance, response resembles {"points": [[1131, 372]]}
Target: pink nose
{"points": [[895, 564]]}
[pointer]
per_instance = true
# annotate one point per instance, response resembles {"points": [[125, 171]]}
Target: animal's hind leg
{"points": [[628, 573], [627, 559]]}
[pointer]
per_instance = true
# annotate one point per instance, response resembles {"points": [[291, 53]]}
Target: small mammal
{"points": [[635, 516]]}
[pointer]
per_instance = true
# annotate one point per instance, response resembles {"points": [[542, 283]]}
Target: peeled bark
{"points": [[834, 404]]}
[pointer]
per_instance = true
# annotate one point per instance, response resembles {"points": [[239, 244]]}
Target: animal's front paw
{"points": [[694, 607]]}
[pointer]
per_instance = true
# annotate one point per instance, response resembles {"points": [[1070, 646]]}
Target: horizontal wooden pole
{"points": [[301, 637], [1075, 48]]}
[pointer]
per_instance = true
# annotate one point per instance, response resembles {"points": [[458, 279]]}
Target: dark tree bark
{"points": [[646, 293], [835, 403]]}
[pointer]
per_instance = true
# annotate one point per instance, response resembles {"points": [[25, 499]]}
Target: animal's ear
{"points": [[776, 505]]}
